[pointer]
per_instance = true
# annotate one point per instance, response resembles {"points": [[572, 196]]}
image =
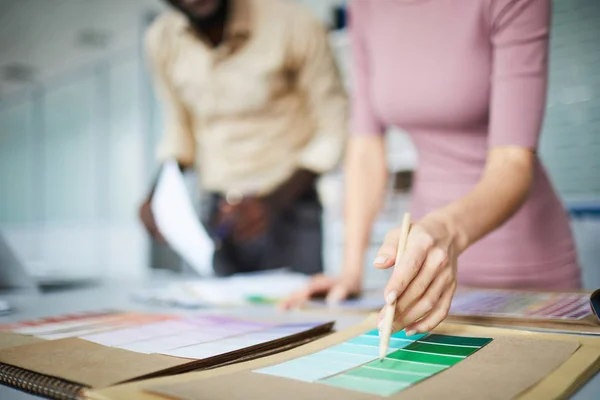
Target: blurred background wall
{"points": [[79, 123]]}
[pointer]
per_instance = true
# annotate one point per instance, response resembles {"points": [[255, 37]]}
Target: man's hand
{"points": [[335, 289], [147, 218], [249, 219]]}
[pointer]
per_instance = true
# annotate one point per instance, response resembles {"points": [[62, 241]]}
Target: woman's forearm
{"points": [[502, 189], [365, 183]]}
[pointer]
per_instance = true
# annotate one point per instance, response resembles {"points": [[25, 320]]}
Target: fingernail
{"points": [[379, 260], [391, 297], [412, 332]]}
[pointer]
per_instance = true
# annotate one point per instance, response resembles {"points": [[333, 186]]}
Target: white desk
{"points": [[117, 296]]}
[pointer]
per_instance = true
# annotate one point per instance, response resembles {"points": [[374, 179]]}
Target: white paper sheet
{"points": [[230, 291], [236, 289], [178, 222]]}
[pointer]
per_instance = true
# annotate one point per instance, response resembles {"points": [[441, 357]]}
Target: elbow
{"points": [[514, 169]]}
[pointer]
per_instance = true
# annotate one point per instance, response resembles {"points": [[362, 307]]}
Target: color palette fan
{"points": [[354, 365], [514, 304]]}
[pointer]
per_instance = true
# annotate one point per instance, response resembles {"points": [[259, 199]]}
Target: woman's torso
{"points": [[430, 66]]}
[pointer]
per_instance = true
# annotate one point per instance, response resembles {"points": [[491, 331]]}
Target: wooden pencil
{"points": [[390, 309]]}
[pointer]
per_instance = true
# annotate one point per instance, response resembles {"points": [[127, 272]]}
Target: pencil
{"points": [[390, 309]]}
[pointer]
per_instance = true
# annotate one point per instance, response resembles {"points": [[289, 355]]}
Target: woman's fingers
{"points": [[386, 256], [425, 304], [436, 315], [436, 260], [409, 265]]}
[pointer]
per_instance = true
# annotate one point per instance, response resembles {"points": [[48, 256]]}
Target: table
{"points": [[116, 295]]}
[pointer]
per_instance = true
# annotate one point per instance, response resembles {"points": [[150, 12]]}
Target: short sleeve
{"points": [[520, 31], [363, 118]]}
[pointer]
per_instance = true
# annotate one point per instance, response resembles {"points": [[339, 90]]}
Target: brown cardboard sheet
{"points": [[565, 378], [501, 370], [94, 365], [84, 362], [9, 339]]}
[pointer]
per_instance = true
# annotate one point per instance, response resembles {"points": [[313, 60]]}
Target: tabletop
{"points": [[117, 295]]}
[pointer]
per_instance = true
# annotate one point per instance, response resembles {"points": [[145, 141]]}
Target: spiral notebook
{"points": [[62, 368]]}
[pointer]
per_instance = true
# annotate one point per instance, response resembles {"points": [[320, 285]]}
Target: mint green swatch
{"points": [[383, 375], [426, 358], [442, 349], [351, 348], [407, 367], [353, 360], [303, 369], [382, 388]]}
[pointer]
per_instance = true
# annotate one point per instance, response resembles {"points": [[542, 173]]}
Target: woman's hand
{"points": [[424, 281], [336, 290]]}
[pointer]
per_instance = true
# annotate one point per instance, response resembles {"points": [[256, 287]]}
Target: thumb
{"points": [[337, 295]]}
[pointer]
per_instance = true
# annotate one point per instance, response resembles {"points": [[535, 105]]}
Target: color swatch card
{"points": [[196, 337], [209, 349], [74, 325], [354, 364], [514, 304]]}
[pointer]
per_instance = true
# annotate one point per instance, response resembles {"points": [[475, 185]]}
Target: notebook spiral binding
{"points": [[39, 384]]}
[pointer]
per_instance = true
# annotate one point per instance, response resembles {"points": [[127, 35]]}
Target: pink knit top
{"points": [[461, 76]]}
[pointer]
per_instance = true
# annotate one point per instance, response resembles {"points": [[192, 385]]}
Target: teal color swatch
{"points": [[398, 335], [354, 365]]}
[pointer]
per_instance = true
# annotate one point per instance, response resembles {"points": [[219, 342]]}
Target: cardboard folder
{"points": [[63, 368], [515, 364]]}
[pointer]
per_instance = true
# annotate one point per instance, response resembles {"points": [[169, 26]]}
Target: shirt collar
{"points": [[238, 25]]}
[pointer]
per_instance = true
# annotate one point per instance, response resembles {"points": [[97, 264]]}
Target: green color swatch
{"points": [[425, 358], [354, 365], [459, 351], [457, 340]]}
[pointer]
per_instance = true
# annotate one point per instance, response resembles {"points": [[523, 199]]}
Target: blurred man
{"points": [[252, 96]]}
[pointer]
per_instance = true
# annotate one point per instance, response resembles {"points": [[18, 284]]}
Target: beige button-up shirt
{"points": [[248, 113]]}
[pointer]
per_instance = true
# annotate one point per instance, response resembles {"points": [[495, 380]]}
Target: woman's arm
{"points": [[498, 195], [424, 280], [365, 183]]}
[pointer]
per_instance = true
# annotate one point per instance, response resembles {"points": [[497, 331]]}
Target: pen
{"points": [[390, 309]]}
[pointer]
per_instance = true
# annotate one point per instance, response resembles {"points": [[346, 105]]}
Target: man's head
{"points": [[199, 10]]}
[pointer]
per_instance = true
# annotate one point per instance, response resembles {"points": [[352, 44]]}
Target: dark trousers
{"points": [[293, 240]]}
